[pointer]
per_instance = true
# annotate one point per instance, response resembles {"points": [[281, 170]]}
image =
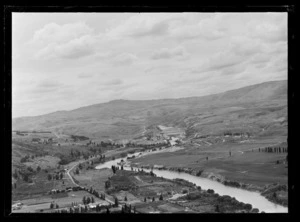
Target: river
{"points": [[254, 198]]}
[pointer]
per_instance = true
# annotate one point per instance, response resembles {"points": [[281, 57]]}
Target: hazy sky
{"points": [[62, 61]]}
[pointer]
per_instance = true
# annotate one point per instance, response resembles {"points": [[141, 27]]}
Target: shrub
{"points": [[210, 191], [123, 155], [193, 196], [184, 191], [248, 206]]}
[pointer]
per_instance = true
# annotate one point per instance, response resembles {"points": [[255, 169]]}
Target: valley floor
{"points": [[237, 162]]}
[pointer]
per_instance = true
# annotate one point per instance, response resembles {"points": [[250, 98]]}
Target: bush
{"points": [[199, 173], [184, 191], [248, 206], [193, 196], [123, 155], [210, 191]]}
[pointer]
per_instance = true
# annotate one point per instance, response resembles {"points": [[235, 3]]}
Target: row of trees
{"points": [[57, 176], [53, 205], [273, 149], [153, 198], [110, 144], [128, 209], [115, 168], [87, 200], [25, 175]]}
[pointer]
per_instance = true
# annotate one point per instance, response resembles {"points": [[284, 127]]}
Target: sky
{"points": [[63, 61]]}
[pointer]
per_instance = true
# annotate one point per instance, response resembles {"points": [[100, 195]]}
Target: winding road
{"points": [[71, 178]]}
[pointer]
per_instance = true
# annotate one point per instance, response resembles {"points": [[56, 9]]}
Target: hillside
{"points": [[260, 109]]}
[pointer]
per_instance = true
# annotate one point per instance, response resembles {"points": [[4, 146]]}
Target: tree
{"points": [[107, 184], [88, 200], [57, 206], [30, 169], [15, 185], [145, 200], [38, 169], [153, 199], [161, 197], [49, 177], [92, 200], [116, 202], [57, 177], [125, 199], [84, 200], [15, 174], [51, 205], [26, 178], [217, 208], [211, 191], [61, 175]]}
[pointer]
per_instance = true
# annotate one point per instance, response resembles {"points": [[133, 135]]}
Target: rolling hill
{"points": [[260, 109]]}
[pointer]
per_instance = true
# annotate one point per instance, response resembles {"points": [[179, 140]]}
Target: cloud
{"points": [[85, 75], [145, 25], [49, 84], [54, 33], [46, 86], [260, 58], [69, 41], [157, 29], [239, 53], [124, 59], [245, 46], [269, 31], [232, 70], [165, 53], [174, 25], [159, 67], [219, 61], [113, 82], [207, 28], [74, 49]]}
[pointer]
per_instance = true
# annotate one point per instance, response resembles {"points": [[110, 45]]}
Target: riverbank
{"points": [[150, 193], [280, 196], [210, 177]]}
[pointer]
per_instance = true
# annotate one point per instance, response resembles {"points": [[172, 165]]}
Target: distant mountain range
{"points": [[259, 109]]}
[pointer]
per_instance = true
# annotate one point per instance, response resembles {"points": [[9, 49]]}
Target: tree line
{"points": [[273, 149]]}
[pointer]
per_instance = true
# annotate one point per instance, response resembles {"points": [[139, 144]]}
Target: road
{"points": [[71, 178]]}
